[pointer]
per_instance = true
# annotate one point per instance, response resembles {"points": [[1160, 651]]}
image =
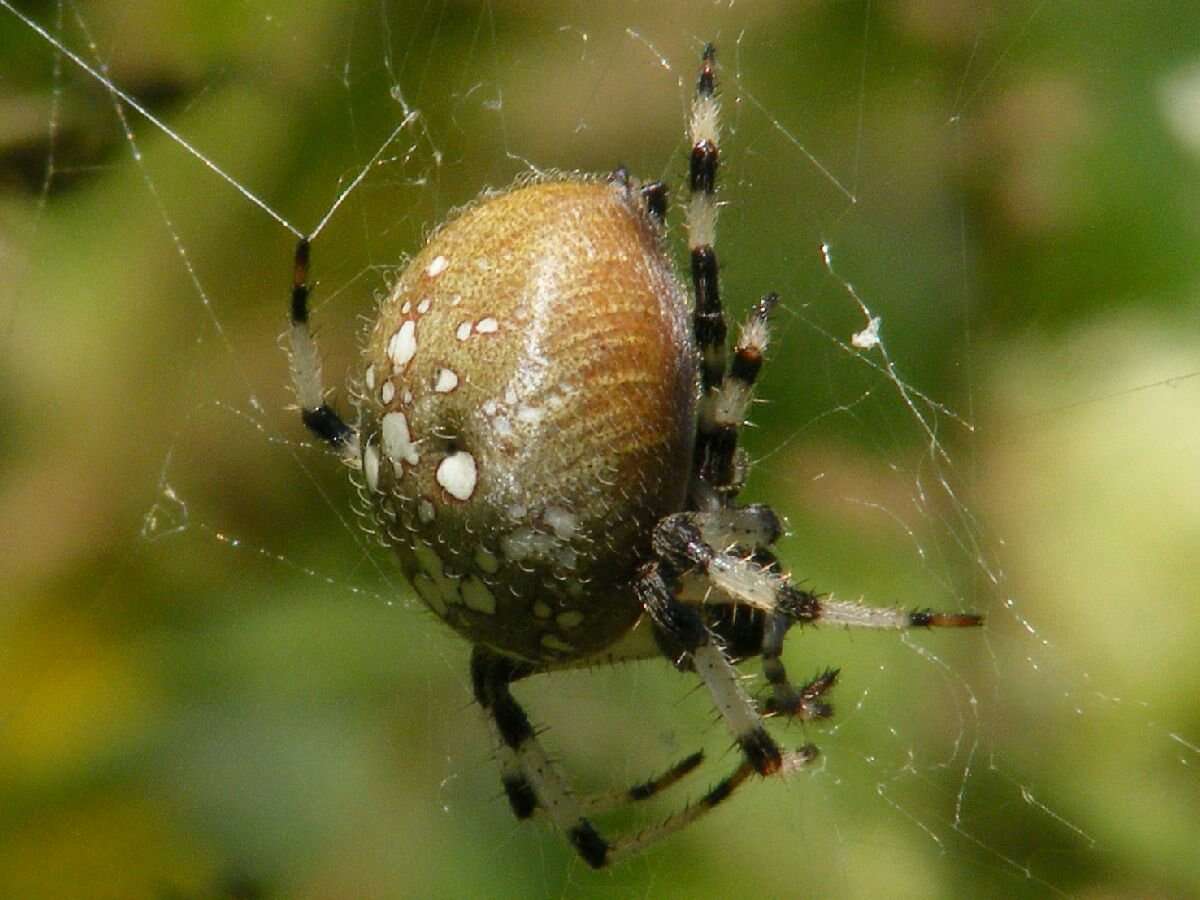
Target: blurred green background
{"points": [[211, 685]]}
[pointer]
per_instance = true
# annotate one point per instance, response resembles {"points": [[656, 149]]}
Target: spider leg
{"points": [[746, 632], [745, 580], [716, 795], [685, 637], [750, 632], [709, 321], [318, 416], [724, 395], [723, 410], [533, 782], [751, 581], [802, 703], [606, 801], [531, 779]]}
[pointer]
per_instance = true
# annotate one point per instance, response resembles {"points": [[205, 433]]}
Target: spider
{"points": [[547, 437]]}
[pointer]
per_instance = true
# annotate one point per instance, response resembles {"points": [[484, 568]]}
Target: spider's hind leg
{"points": [[607, 801], [534, 783], [531, 780]]}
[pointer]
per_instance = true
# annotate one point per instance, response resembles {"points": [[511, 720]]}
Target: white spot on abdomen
{"points": [[463, 331], [447, 380], [387, 393], [437, 267], [456, 473], [425, 511], [530, 415], [397, 442], [562, 521], [371, 467], [403, 345], [487, 325]]}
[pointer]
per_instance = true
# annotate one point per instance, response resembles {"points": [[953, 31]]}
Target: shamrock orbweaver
{"points": [[547, 435]]}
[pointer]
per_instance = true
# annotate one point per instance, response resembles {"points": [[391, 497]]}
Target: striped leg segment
{"points": [[607, 801], [685, 638], [802, 703], [743, 579], [718, 794], [531, 780], [724, 412], [318, 416], [751, 585], [708, 318], [534, 785], [702, 223], [724, 395]]}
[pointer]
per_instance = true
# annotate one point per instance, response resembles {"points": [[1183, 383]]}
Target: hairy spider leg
{"points": [[318, 416], [722, 417], [533, 781], [708, 318]]}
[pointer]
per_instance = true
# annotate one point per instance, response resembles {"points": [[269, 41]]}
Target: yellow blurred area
{"points": [[120, 845], [70, 698]]}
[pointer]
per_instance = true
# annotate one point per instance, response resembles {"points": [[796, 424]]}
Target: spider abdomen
{"points": [[527, 414]]}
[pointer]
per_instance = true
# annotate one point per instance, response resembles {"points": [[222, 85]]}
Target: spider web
{"points": [[978, 397]]}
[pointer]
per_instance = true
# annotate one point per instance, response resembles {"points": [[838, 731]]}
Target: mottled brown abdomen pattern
{"points": [[527, 414]]}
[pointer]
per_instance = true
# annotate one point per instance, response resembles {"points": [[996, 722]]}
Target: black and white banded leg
{"points": [[722, 416], [534, 784], [606, 801], [318, 416], [742, 579], [703, 162], [748, 532], [708, 323], [531, 779], [686, 543], [724, 395], [686, 639]]}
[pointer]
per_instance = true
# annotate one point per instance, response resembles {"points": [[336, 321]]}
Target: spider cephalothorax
{"points": [[547, 437]]}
